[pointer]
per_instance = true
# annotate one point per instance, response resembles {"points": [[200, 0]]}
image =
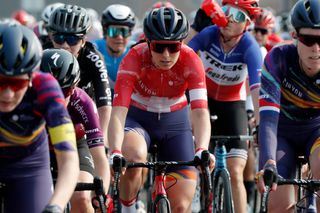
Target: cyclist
{"points": [[263, 30], [29, 101], [229, 54], [150, 105], [69, 25], [41, 28], [289, 104], [65, 68], [117, 22]]}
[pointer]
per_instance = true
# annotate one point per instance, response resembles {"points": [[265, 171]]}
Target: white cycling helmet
{"points": [[47, 11], [117, 14]]}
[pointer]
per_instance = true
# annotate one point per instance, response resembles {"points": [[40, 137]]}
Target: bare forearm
{"points": [[101, 165], [255, 101], [104, 116], [116, 127], [68, 170], [202, 128]]}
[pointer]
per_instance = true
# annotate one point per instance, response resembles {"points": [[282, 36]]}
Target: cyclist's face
{"points": [[261, 35], [117, 37], [12, 93], [73, 49], [165, 54], [308, 44], [236, 25]]}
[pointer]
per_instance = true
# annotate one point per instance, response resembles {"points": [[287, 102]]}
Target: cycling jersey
{"points": [[24, 152], [23, 129], [112, 63], [141, 84], [83, 111], [289, 103], [226, 72], [94, 76], [273, 40]]}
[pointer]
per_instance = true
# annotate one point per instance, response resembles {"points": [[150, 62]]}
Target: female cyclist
{"points": [[29, 102], [150, 106]]}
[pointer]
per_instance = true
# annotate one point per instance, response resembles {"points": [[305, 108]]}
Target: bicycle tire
{"points": [[161, 205], [222, 193]]}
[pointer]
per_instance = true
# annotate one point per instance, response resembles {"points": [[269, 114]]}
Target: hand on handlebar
{"points": [[117, 161], [201, 153], [266, 179]]}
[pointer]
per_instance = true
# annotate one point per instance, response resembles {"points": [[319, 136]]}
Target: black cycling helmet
{"points": [[20, 50], [306, 14], [69, 19], [118, 14], [165, 23], [62, 65]]}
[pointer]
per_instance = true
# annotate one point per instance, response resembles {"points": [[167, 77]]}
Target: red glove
{"points": [[214, 11]]}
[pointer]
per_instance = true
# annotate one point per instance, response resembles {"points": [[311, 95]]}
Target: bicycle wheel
{"points": [[222, 193], [161, 205]]}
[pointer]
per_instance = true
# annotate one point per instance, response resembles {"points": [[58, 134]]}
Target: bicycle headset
{"points": [[70, 19], [62, 65], [20, 50], [306, 14], [165, 23]]}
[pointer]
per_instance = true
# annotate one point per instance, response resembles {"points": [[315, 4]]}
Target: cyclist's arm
{"points": [[101, 88], [62, 135], [254, 61], [101, 165], [270, 94], [201, 127], [116, 127]]}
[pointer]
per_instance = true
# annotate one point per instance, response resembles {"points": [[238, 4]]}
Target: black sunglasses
{"points": [[308, 40], [160, 47], [261, 30], [70, 39]]}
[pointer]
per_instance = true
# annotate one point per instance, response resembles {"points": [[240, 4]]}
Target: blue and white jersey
{"points": [[226, 73]]}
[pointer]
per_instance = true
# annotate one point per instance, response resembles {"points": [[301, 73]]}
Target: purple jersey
{"points": [[83, 111]]}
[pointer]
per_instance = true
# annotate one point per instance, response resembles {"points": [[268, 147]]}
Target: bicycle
{"points": [[305, 203], [160, 202], [222, 194]]}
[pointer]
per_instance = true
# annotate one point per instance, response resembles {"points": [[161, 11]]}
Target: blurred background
{"points": [[139, 6]]}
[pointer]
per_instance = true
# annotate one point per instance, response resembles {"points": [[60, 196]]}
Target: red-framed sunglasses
{"points": [[308, 40], [159, 47], [15, 84]]}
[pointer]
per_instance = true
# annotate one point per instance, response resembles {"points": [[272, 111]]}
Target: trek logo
{"points": [[100, 65], [223, 73]]}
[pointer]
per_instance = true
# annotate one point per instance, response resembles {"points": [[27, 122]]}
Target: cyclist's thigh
{"points": [[282, 199], [286, 158], [85, 158], [30, 193], [313, 148], [232, 120], [136, 140]]}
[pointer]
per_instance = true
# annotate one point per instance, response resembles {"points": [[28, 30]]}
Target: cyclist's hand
{"points": [[255, 134], [213, 10], [52, 208], [198, 155], [117, 161], [108, 204], [267, 178]]}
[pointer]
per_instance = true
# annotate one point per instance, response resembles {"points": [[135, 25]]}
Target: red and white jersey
{"points": [[142, 85]]}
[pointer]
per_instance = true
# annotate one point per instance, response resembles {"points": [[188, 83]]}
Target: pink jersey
{"points": [[142, 85]]}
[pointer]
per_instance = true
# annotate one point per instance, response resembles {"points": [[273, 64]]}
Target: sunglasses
{"points": [[70, 39], [68, 91], [308, 40], [160, 47], [238, 15], [261, 30], [117, 31], [15, 84]]}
